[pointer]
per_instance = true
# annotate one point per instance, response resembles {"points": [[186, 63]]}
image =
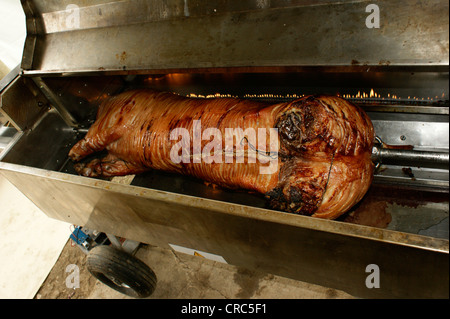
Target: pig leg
{"points": [[110, 165], [93, 143]]}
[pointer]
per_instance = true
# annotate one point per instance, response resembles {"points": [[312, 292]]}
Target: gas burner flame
{"points": [[360, 96], [374, 95]]}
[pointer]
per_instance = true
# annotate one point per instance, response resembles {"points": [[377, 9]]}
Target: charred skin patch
{"points": [[295, 199], [289, 129], [300, 125], [301, 187]]}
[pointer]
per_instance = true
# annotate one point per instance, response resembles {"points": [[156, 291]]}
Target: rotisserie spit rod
{"points": [[406, 157]]}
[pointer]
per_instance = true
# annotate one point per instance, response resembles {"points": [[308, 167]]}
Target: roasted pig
{"points": [[311, 156]]}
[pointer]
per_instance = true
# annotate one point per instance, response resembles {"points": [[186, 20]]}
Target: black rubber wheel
{"points": [[121, 271]]}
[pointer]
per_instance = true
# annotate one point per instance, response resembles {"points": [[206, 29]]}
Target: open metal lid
{"points": [[139, 36]]}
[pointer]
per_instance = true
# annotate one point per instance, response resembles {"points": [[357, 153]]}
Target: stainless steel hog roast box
{"points": [[391, 58]]}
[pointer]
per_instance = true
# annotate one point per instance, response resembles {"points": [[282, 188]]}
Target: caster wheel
{"points": [[121, 271]]}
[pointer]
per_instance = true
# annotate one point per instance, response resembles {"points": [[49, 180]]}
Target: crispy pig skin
{"points": [[323, 161]]}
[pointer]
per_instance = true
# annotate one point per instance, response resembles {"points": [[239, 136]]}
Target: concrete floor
{"points": [[182, 276], [30, 243]]}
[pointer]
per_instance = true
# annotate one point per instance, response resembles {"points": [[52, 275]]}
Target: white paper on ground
{"points": [[31, 242]]}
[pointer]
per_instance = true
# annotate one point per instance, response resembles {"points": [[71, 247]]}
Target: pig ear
{"points": [[108, 166]]}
